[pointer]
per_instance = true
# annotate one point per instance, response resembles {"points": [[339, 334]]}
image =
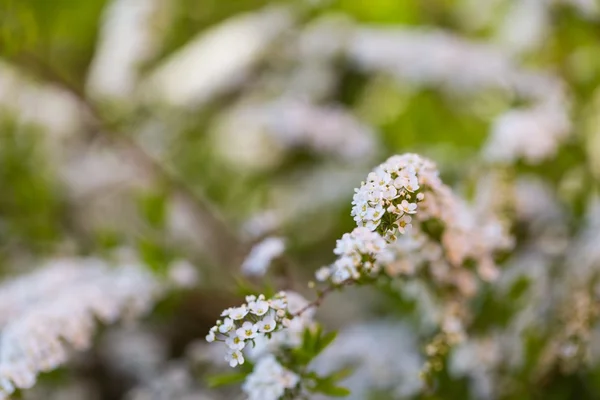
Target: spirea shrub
{"points": [[313, 199]]}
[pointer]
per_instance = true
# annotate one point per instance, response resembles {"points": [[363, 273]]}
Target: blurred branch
{"points": [[225, 247], [322, 294]]}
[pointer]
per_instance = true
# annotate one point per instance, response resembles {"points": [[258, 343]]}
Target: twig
{"points": [[224, 243], [322, 295]]}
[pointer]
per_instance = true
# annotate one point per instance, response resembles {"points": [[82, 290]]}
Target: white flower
{"points": [[259, 307], [269, 380], [46, 313], [404, 224], [210, 337], [247, 331], [226, 326], [227, 311], [359, 252], [250, 322], [238, 313], [267, 325], [235, 342], [235, 358], [388, 190], [323, 274], [262, 255], [278, 304], [409, 208]]}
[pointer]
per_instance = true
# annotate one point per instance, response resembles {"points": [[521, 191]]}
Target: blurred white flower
{"points": [[44, 105], [269, 380], [126, 40], [43, 312], [532, 134], [262, 255], [218, 59], [392, 363], [182, 274], [272, 127]]}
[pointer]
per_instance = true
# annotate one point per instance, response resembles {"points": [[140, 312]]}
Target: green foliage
{"points": [[233, 378], [31, 212], [55, 41], [329, 384]]}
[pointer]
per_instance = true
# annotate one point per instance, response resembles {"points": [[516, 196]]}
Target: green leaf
{"points": [[335, 391], [340, 374], [225, 379], [325, 341], [153, 208]]}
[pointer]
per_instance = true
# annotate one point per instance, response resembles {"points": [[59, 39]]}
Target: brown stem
{"points": [[224, 244], [322, 295]]}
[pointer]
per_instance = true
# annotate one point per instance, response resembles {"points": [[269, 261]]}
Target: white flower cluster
{"points": [[389, 196], [289, 337], [257, 318], [42, 312], [391, 365], [404, 195], [360, 253], [262, 255], [441, 59], [269, 380], [533, 134]]}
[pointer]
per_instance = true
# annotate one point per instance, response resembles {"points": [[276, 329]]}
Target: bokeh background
{"points": [[180, 133]]}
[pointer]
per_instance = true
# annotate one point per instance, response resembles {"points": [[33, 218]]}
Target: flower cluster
{"points": [[360, 253], [269, 380], [533, 134], [457, 65], [385, 201], [289, 337], [377, 369], [257, 318], [45, 314]]}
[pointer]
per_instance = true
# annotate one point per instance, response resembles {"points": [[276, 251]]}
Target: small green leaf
{"points": [[325, 341], [336, 391], [225, 379], [341, 374]]}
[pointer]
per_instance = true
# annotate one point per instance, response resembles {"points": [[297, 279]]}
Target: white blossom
{"points": [[201, 69], [126, 40], [45, 313], [249, 323], [262, 255], [182, 274], [248, 330], [389, 192], [269, 380], [234, 358], [533, 135], [392, 363], [291, 336], [275, 126], [360, 254]]}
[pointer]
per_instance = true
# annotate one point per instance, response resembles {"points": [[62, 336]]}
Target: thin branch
{"points": [[224, 243], [322, 295]]}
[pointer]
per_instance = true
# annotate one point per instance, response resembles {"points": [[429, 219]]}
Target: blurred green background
{"points": [[114, 133]]}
